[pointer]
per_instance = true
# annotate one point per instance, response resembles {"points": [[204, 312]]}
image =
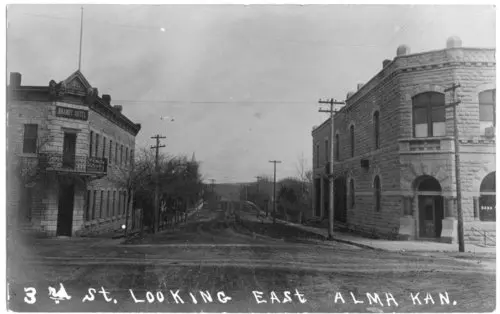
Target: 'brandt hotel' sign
{"points": [[71, 113]]}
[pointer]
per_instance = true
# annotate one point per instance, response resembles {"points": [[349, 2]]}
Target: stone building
{"points": [[69, 152], [394, 152]]}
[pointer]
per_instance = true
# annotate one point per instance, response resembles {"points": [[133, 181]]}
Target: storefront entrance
{"points": [[431, 215], [430, 207], [65, 209]]}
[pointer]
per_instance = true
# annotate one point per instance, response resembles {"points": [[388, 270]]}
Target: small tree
{"points": [[136, 176]]}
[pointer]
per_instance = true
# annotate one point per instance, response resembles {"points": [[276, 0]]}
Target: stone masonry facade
{"points": [[383, 175], [70, 122]]}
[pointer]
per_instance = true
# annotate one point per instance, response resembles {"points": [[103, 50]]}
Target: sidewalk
{"points": [[388, 245]]}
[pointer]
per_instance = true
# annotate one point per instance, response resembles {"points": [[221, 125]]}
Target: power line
{"points": [[214, 102]]}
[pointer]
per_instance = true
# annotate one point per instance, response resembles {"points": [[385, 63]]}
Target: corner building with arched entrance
{"points": [[394, 152]]}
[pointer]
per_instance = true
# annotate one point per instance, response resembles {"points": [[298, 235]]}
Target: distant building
{"points": [[394, 163], [68, 150]]}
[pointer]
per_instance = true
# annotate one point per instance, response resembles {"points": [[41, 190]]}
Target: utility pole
{"points": [[460, 218], [332, 112], [81, 37], [274, 189], [157, 181], [258, 185]]}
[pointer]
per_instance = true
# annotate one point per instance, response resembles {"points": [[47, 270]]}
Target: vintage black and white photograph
{"points": [[251, 158]]}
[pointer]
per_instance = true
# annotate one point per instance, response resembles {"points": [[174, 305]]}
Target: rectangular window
{"points": [[110, 157], [438, 121], [30, 138], [114, 204], [420, 120], [103, 147], [107, 204], [119, 203], [121, 155], [93, 204], [132, 157], [337, 147], [326, 150], [97, 145], [87, 209], [126, 155], [116, 153], [317, 155], [101, 207], [352, 141], [91, 143]]}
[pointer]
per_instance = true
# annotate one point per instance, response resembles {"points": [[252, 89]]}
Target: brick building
{"points": [[69, 151], [394, 168]]}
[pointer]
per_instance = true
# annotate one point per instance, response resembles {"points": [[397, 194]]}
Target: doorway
{"points": [[317, 206], [430, 208], [340, 199], [326, 197], [69, 149], [65, 209], [431, 215]]}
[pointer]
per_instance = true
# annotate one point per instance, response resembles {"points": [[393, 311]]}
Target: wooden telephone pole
{"points": [[274, 189], [157, 147], [460, 217], [332, 102]]}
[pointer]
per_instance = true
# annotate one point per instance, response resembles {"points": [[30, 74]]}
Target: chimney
{"points": [[117, 107], [107, 99], [386, 63], [453, 42], [349, 95], [15, 79], [360, 85], [403, 50]]}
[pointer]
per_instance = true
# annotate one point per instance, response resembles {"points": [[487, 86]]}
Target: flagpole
{"points": [[81, 36]]}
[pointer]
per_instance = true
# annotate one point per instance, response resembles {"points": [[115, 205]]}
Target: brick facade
{"points": [[402, 161], [62, 157]]}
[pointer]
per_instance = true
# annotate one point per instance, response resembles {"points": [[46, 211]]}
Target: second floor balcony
{"points": [[66, 163]]}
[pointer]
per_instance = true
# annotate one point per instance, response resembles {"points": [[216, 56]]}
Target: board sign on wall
{"points": [[71, 113]]}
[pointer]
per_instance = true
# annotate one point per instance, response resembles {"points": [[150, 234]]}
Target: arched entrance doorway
{"points": [[340, 199], [487, 199], [430, 207]]}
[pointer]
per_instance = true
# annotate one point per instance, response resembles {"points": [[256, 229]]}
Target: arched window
{"points": [[376, 129], [377, 190], [352, 140], [337, 147], [353, 193], [487, 109], [429, 115]]}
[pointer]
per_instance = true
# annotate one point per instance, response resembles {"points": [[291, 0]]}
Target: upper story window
{"points": [[97, 145], [116, 153], [326, 150], [487, 109], [103, 147], [337, 147], [110, 157], [376, 129], [352, 140], [30, 138], [126, 155], [132, 157], [317, 155], [429, 115], [91, 143]]}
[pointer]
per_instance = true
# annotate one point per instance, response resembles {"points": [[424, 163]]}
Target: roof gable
{"points": [[76, 82]]}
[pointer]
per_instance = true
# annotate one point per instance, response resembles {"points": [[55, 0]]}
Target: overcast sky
{"points": [[241, 81]]}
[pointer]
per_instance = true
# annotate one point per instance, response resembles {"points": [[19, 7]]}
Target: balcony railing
{"points": [[72, 163]]}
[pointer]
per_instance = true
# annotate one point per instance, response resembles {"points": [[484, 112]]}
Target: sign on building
{"points": [[71, 113]]}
